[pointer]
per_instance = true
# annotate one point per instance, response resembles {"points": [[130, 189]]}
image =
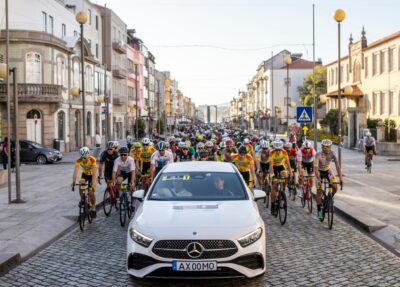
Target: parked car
{"points": [[34, 152], [198, 219]]}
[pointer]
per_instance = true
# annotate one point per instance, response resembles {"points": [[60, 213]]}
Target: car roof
{"points": [[200, 166]]}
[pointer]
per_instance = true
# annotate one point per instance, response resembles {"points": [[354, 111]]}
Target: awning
{"points": [[356, 93]]}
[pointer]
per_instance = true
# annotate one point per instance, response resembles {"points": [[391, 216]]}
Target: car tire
{"points": [[41, 159]]}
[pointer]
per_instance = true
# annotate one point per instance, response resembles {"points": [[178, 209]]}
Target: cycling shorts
{"points": [[293, 165], [264, 167], [369, 148], [246, 176], [125, 175], [87, 178], [278, 170], [309, 167], [328, 175], [146, 168]]}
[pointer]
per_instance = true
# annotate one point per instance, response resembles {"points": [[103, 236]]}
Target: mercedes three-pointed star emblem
{"points": [[194, 249]]}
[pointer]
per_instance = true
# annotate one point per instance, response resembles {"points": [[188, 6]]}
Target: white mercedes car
{"points": [[198, 220]]}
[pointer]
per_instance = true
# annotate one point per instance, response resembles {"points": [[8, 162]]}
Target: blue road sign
{"points": [[304, 114]]}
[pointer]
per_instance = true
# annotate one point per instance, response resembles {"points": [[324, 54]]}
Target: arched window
{"points": [[356, 72], [61, 124], [32, 113], [88, 78], [89, 123], [61, 71], [33, 72], [76, 74]]}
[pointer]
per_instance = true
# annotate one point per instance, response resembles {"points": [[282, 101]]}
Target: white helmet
{"points": [[278, 144], [288, 145], [145, 141], [368, 134], [84, 152], [116, 144], [246, 141], [182, 144], [326, 142], [264, 144], [306, 144], [209, 144], [129, 139]]}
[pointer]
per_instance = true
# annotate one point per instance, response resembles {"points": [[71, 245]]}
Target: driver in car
{"points": [[219, 184]]}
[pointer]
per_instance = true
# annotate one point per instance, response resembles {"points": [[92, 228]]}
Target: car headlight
{"points": [[250, 238], [140, 238], [51, 153]]}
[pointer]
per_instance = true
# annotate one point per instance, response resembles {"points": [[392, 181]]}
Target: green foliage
{"points": [[372, 123], [162, 126], [392, 124], [331, 120], [141, 127], [333, 138], [306, 91]]}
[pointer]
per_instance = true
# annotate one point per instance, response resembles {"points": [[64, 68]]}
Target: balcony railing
{"points": [[119, 99], [34, 93], [119, 72], [119, 46]]}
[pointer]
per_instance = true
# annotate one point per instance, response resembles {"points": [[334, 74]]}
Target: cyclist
{"points": [[203, 155], [305, 160], [135, 153], [245, 164], [124, 168], [249, 146], [262, 162], [369, 145], [183, 153], [279, 165], [322, 167], [129, 141], [160, 158], [211, 152], [291, 150], [88, 175], [144, 162], [228, 151], [292, 138], [107, 159]]}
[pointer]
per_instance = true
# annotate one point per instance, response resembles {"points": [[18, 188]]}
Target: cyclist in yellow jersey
{"points": [[88, 165], [135, 153], [245, 164], [145, 162], [279, 164]]}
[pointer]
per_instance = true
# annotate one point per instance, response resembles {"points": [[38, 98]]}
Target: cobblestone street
{"points": [[303, 252]]}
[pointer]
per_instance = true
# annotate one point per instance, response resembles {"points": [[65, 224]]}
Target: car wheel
{"points": [[41, 159]]}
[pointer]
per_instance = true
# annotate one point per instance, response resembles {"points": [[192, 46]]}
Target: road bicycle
{"points": [[369, 161], [85, 206], [327, 203], [281, 200], [292, 188], [109, 197], [306, 195], [125, 204], [267, 189]]}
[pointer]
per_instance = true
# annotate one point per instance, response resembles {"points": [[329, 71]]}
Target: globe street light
{"points": [[81, 18], [288, 61], [339, 16]]}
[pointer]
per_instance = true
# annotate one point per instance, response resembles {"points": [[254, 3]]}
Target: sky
{"points": [[213, 47]]}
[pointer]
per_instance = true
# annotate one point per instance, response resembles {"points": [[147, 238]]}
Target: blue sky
{"points": [[213, 47]]}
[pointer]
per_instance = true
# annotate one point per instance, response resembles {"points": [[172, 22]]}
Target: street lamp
{"points": [[81, 18], [288, 61], [339, 16], [158, 105]]}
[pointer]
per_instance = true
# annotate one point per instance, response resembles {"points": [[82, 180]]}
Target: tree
{"points": [[161, 123], [331, 120], [306, 91], [141, 127]]}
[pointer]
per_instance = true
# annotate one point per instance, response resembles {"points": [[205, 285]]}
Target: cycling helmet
{"points": [[182, 144], [246, 141], [84, 152], [306, 144], [229, 143], [145, 141], [137, 145], [368, 134], [110, 144], [242, 149], [188, 143], [222, 145], [238, 144], [264, 144], [288, 145], [209, 144], [123, 149], [255, 139], [278, 144], [161, 145], [167, 145], [151, 144], [199, 137], [129, 139], [326, 142], [200, 146]]}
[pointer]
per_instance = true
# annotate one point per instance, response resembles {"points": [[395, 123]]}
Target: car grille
{"points": [[176, 249], [251, 261], [222, 272], [139, 261]]}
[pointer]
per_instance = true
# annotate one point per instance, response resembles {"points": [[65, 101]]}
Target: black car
{"points": [[34, 152]]}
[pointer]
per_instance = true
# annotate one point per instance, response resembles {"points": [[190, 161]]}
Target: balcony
{"points": [[119, 72], [119, 99], [119, 46], [34, 93]]}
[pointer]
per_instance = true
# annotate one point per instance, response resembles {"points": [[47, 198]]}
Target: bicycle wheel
{"points": [[282, 205], [323, 207], [267, 195], [129, 205], [82, 214], [293, 191], [329, 210], [88, 210], [309, 200], [303, 198], [107, 206], [122, 208]]}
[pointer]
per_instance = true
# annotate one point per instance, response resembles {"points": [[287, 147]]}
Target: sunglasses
{"points": [[185, 148], [110, 149], [265, 148], [161, 150], [145, 144], [123, 154]]}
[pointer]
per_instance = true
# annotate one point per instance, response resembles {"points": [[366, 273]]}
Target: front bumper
{"points": [[54, 158]]}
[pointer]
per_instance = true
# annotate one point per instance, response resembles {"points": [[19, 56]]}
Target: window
{"points": [[61, 124], [383, 62], [382, 103], [366, 67], [97, 50], [97, 22], [89, 124], [341, 74], [60, 71], [51, 24], [374, 64], [374, 103], [33, 68], [89, 76], [391, 60], [347, 73], [75, 33], [391, 102], [356, 72], [90, 16], [44, 19], [76, 74], [63, 30]]}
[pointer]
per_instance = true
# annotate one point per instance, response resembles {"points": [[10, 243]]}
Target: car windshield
{"points": [[36, 145], [204, 186]]}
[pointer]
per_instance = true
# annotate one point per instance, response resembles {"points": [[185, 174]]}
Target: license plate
{"points": [[194, 265]]}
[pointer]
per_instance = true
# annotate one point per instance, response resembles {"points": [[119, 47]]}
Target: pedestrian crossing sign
{"points": [[304, 114]]}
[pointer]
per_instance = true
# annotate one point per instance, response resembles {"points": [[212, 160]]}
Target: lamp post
{"points": [[339, 16], [81, 18], [288, 61], [158, 105]]}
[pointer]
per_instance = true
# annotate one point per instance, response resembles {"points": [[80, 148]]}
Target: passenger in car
{"points": [[220, 189], [179, 189]]}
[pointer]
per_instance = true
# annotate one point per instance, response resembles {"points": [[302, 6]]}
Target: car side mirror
{"points": [[258, 194], [139, 194]]}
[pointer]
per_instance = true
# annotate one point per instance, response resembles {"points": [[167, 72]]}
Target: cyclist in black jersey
{"points": [[211, 152], [183, 153], [107, 159]]}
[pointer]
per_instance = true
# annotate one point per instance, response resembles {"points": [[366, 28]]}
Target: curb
{"points": [[8, 262]]}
